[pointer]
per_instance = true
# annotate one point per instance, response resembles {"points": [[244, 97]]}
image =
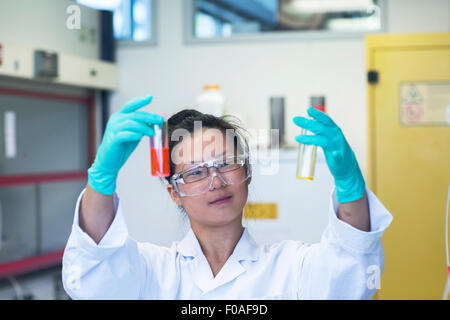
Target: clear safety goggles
{"points": [[198, 179]]}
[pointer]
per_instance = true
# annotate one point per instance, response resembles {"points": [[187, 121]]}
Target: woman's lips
{"points": [[221, 201]]}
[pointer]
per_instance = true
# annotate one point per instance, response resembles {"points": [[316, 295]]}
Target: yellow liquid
{"points": [[306, 162], [305, 178]]}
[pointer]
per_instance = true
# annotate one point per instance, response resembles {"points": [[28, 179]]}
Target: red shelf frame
{"points": [[23, 179], [53, 258], [32, 263]]}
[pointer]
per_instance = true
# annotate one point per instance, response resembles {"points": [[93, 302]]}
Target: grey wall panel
{"points": [[19, 223], [51, 135], [57, 204]]}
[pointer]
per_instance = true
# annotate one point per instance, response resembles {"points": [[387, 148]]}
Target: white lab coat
{"points": [[345, 264]]}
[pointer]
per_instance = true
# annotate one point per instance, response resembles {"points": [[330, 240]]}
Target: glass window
{"points": [[225, 18], [132, 19]]}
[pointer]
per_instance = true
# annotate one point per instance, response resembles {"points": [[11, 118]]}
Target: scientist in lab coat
{"points": [[218, 259]]}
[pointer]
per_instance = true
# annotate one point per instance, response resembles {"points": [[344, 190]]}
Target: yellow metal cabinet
{"points": [[409, 157]]}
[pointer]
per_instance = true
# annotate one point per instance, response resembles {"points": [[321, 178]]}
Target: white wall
{"points": [[418, 16], [248, 74], [42, 24]]}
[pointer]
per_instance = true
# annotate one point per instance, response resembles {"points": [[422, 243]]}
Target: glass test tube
{"points": [[306, 161], [159, 150]]}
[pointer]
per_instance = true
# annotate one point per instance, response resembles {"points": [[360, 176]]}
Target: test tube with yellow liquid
{"points": [[306, 161]]}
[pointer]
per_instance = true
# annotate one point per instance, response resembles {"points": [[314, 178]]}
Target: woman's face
{"points": [[200, 208]]}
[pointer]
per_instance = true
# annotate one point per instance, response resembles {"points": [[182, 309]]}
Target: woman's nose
{"points": [[216, 181]]}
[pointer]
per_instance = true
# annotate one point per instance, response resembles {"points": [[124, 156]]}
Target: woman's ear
{"points": [[173, 194]]}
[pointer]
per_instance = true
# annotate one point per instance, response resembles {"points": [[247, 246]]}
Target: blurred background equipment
{"points": [[54, 87], [211, 100], [277, 121]]}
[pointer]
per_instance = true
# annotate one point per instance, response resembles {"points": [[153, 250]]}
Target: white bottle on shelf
{"points": [[211, 100]]}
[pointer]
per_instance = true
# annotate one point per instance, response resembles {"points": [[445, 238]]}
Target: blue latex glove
{"points": [[341, 160], [123, 132]]}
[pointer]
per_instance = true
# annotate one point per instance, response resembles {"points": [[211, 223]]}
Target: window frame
{"points": [[132, 43], [295, 35], [123, 43]]}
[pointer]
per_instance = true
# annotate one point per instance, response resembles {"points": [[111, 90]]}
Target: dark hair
{"points": [[185, 119]]}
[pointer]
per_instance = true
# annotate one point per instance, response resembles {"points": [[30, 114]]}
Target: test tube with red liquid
{"points": [[159, 150]]}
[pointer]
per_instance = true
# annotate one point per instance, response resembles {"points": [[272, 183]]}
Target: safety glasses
{"points": [[198, 179]]}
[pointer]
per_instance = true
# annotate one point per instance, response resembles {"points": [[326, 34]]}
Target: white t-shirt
{"points": [[346, 264]]}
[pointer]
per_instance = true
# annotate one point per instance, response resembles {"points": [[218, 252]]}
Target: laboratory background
{"points": [[379, 68]]}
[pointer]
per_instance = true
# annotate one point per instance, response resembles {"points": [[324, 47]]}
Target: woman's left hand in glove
{"points": [[341, 160]]}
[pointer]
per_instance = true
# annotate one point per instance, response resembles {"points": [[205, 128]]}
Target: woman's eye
{"points": [[195, 172], [228, 162]]}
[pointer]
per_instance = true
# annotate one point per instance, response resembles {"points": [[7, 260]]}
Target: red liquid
{"points": [[160, 169]]}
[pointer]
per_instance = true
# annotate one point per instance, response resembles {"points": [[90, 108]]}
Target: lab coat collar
{"points": [[246, 249]]}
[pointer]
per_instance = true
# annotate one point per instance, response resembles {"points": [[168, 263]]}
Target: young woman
{"points": [[218, 259]]}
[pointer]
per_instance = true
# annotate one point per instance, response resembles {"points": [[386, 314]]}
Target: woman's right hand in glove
{"points": [[123, 132]]}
